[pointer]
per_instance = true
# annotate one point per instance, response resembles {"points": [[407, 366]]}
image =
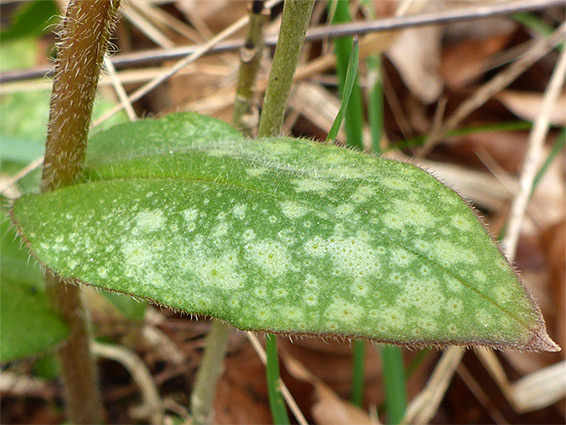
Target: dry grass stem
{"points": [[8, 183], [533, 157], [424, 406], [146, 27], [480, 394], [152, 407], [119, 89], [164, 20], [493, 86], [318, 33]]}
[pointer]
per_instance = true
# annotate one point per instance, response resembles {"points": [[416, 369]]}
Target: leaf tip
{"points": [[542, 342]]}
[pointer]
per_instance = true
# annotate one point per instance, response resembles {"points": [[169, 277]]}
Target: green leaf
{"points": [[32, 19], [28, 326], [280, 235]]}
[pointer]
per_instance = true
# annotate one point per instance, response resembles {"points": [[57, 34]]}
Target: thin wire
{"points": [[151, 57]]}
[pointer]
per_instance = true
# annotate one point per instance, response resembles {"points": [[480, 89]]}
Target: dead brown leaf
{"points": [[467, 61]]}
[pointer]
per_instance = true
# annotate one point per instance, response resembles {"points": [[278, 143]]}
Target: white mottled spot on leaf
{"points": [[293, 209], [150, 221], [271, 256], [239, 211], [312, 185]]}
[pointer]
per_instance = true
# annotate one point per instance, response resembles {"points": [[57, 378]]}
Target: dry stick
{"points": [[152, 406], [422, 409], [533, 157], [493, 86], [119, 89], [424, 406], [86, 29], [142, 91], [210, 369]]}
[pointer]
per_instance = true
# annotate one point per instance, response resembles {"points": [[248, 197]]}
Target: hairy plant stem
{"points": [[245, 120], [84, 40], [246, 116], [210, 369], [294, 24]]}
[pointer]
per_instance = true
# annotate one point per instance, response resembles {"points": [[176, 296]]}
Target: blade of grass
{"points": [[463, 131], [343, 49], [350, 91], [394, 380], [278, 409], [358, 372], [533, 23], [351, 74]]}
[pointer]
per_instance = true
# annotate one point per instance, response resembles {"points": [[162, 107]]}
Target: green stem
{"points": [[358, 372], [294, 24], [394, 379], [245, 116], [375, 84], [87, 27], [278, 409], [375, 102], [210, 369], [354, 116]]}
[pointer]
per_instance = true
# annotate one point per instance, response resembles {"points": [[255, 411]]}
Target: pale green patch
{"points": [[280, 235]]}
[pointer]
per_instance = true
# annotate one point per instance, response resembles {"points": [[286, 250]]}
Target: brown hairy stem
{"points": [[84, 41]]}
